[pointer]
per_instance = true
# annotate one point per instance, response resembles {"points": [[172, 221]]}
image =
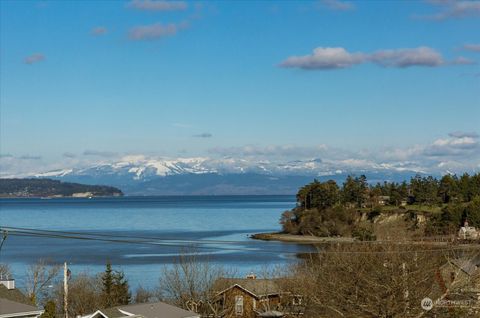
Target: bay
{"points": [[152, 231]]}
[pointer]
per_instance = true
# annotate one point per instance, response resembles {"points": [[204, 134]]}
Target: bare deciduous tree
{"points": [[144, 295], [190, 283], [83, 295], [40, 276], [369, 280], [5, 272]]}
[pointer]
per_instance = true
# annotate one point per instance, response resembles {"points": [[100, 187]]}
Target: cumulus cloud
{"points": [[328, 58], [203, 135], [472, 47], [325, 58], [457, 144], [420, 56], [461, 134], [100, 30], [155, 31], [34, 58], [337, 5], [99, 153], [453, 9], [160, 5]]}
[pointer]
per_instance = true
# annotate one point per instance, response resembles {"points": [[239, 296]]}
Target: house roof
{"points": [[256, 287], [110, 313], [14, 295], [146, 310], [467, 265], [158, 310], [10, 308]]}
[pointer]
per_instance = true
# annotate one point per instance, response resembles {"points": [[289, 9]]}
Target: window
{"points": [[238, 305]]}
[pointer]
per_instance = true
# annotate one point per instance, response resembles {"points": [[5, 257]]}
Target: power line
{"points": [[199, 245], [162, 238], [204, 244]]}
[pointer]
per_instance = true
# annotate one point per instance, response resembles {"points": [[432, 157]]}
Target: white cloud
{"points": [[328, 58], [325, 58], [34, 58], [462, 134], [420, 56], [453, 9], [155, 31], [160, 5], [458, 152]]}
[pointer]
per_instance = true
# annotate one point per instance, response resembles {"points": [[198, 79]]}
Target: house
{"points": [[15, 304], [251, 298], [146, 310], [467, 232], [383, 200], [459, 280]]}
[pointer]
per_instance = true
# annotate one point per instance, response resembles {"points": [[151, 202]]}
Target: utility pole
{"points": [[65, 289]]}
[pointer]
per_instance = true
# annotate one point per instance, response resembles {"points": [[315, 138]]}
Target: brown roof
{"points": [[257, 287], [14, 295], [9, 307]]}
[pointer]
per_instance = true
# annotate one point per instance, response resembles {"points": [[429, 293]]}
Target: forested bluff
{"points": [[422, 207]]}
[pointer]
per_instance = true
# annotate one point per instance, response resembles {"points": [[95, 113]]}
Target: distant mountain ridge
{"points": [[137, 175], [23, 188]]}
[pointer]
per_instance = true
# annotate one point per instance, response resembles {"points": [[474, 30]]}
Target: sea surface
{"points": [[141, 235]]}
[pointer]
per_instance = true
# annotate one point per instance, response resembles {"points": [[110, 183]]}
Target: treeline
{"points": [[327, 209], [48, 188]]}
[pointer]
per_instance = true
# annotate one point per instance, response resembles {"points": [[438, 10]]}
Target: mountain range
{"points": [[139, 175]]}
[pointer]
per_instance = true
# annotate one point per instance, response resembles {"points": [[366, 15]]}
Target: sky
{"points": [[393, 82]]}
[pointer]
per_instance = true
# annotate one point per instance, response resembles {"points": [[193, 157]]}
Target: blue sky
{"points": [[97, 79]]}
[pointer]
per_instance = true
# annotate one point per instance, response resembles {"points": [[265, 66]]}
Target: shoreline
{"points": [[299, 239]]}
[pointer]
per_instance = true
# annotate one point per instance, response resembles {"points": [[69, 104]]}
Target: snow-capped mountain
{"points": [[141, 175]]}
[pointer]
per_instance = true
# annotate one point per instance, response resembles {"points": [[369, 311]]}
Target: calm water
{"points": [[219, 228]]}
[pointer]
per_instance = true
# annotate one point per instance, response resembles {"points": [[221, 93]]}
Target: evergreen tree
{"points": [[50, 310], [108, 287], [448, 188], [121, 293]]}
